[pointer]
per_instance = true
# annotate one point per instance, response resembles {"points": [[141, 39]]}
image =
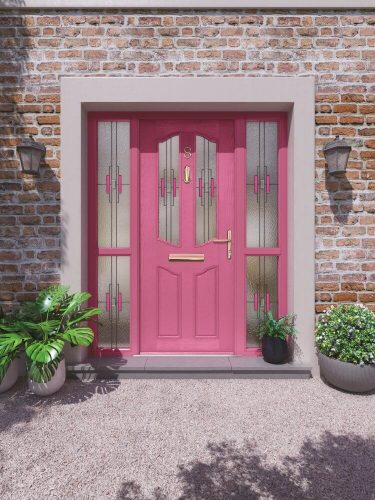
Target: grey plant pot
{"points": [[55, 384], [11, 376], [347, 376], [76, 354]]}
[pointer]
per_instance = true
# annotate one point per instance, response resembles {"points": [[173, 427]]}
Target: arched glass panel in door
{"points": [[169, 190], [206, 190]]}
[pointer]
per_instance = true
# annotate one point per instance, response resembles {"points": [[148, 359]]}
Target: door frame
{"points": [[239, 229]]}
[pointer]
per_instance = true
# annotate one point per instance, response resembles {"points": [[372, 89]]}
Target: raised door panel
{"points": [[169, 303], [206, 303]]}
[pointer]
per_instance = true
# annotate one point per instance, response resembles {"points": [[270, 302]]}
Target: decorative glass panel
{"points": [[114, 300], [169, 190], [206, 190], [113, 184], [261, 183], [261, 293]]}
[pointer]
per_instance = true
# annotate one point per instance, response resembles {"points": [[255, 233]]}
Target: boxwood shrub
{"points": [[347, 333]]}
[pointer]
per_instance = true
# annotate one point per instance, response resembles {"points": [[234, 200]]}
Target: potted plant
{"points": [[345, 339], [43, 327], [274, 334]]}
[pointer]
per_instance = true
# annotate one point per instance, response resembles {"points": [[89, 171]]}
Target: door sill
{"points": [[177, 354], [185, 367]]}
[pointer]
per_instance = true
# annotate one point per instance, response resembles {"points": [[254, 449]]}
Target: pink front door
{"points": [[186, 203]]}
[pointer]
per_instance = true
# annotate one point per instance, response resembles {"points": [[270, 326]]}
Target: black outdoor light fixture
{"points": [[337, 155], [31, 153]]}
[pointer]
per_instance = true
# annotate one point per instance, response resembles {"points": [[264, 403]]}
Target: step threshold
{"points": [[185, 367]]}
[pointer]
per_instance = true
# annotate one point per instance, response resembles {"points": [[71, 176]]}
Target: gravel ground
{"points": [[188, 439]]}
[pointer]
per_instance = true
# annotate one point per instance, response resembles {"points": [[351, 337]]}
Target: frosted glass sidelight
{"points": [[262, 184], [261, 294], [114, 300], [169, 190], [206, 190], [113, 184]]}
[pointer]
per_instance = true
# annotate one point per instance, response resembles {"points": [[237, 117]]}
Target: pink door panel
{"points": [[187, 201]]}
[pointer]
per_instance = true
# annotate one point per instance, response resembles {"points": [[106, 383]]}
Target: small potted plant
{"points": [[345, 339], [43, 327], [274, 334]]}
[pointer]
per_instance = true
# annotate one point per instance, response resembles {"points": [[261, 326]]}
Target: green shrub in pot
{"points": [[345, 339], [43, 327], [274, 334]]}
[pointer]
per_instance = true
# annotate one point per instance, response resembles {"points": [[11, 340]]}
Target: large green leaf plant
{"points": [[42, 328]]}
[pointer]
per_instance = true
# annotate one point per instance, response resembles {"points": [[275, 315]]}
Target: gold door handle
{"points": [[187, 174], [228, 241]]}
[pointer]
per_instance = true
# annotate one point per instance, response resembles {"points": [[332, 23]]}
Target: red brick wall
{"points": [[337, 48]]}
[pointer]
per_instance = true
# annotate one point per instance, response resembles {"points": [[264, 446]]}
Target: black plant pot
{"points": [[275, 350]]}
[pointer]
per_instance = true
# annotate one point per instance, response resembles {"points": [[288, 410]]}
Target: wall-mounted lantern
{"points": [[31, 154], [337, 155]]}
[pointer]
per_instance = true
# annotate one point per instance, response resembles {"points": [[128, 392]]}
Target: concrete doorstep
{"points": [[185, 367]]}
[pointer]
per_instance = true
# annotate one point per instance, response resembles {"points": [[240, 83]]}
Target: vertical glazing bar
{"points": [[268, 302]]}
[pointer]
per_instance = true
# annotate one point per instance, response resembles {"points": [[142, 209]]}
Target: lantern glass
{"points": [[30, 153], [337, 159], [337, 155]]}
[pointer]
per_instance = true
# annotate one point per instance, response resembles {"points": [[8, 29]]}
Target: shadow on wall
{"points": [[31, 205], [334, 467], [341, 196], [20, 407]]}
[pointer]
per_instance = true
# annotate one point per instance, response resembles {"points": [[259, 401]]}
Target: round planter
{"points": [[48, 388], [11, 376], [76, 354], [274, 350], [347, 376]]}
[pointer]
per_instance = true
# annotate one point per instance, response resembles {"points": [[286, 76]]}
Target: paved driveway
{"points": [[188, 439]]}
